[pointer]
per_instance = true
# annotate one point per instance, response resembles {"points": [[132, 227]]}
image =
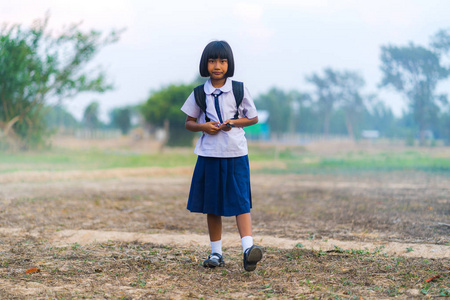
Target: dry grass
{"points": [[380, 209], [136, 271]]}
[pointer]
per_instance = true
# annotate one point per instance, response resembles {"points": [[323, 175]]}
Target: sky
{"points": [[276, 43]]}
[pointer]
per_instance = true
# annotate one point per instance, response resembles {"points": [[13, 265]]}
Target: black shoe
{"points": [[214, 260], [251, 256]]}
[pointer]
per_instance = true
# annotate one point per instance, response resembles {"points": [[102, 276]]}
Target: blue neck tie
{"points": [[216, 104]]}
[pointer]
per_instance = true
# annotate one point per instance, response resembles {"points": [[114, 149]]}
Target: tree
{"points": [[445, 127], [57, 117], [35, 66], [309, 120], [121, 118], [415, 72], [279, 105], [297, 101], [338, 89], [381, 118], [90, 116], [440, 43], [351, 101], [163, 109], [327, 93]]}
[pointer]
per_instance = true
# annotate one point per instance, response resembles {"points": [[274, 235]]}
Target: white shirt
{"points": [[225, 143]]}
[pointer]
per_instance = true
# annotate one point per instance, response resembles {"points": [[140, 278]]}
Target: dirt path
{"points": [[126, 234], [298, 208], [85, 237]]}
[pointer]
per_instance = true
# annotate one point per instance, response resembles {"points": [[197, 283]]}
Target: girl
{"points": [[221, 180]]}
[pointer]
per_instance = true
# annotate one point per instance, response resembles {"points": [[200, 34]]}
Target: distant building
{"points": [[370, 134]]}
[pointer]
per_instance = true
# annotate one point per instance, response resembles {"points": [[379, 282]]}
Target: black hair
{"points": [[217, 49]]}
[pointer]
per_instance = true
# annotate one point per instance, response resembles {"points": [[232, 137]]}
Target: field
{"points": [[337, 220]]}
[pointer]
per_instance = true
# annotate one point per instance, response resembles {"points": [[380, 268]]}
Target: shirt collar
{"points": [[209, 89]]}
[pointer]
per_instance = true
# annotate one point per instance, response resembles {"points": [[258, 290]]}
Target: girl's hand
{"points": [[211, 128], [227, 125], [241, 122]]}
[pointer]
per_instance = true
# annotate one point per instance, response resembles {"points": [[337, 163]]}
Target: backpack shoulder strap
{"points": [[238, 91], [200, 99]]}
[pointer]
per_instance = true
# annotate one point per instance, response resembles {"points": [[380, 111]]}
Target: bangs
{"points": [[217, 50]]}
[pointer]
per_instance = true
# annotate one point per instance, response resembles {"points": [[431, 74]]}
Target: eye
{"points": [[210, 61], [224, 61]]}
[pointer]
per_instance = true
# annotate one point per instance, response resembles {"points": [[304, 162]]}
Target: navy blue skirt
{"points": [[221, 186]]}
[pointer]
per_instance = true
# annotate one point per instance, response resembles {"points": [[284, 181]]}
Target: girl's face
{"points": [[217, 68]]}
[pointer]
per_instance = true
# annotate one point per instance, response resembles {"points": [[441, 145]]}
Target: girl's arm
{"points": [[241, 122], [209, 127]]}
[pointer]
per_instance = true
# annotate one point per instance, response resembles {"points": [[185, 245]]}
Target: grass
{"points": [[300, 161], [58, 160], [388, 161], [152, 271], [297, 160], [316, 210]]}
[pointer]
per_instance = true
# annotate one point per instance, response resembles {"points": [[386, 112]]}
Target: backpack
{"points": [[200, 97]]}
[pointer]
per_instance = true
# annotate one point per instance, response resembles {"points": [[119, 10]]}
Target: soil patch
{"points": [[126, 234]]}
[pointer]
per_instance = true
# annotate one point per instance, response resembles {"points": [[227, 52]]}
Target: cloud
{"points": [[98, 14], [251, 15], [373, 13], [394, 13], [249, 12]]}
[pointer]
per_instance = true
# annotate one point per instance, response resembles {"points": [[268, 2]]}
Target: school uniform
{"points": [[221, 180]]}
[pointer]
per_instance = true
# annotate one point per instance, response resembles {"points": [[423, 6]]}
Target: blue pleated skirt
{"points": [[221, 186]]}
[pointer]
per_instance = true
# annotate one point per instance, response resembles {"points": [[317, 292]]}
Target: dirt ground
{"points": [[126, 234]]}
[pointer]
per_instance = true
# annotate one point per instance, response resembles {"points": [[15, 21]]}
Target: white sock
{"points": [[216, 247], [247, 242]]}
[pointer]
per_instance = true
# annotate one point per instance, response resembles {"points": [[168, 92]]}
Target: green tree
{"points": [[297, 101], [440, 42], [56, 116], [415, 72], [351, 101], [309, 120], [445, 127], [90, 116], [381, 118], [327, 94], [35, 66], [121, 118], [162, 109], [281, 108], [339, 89]]}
